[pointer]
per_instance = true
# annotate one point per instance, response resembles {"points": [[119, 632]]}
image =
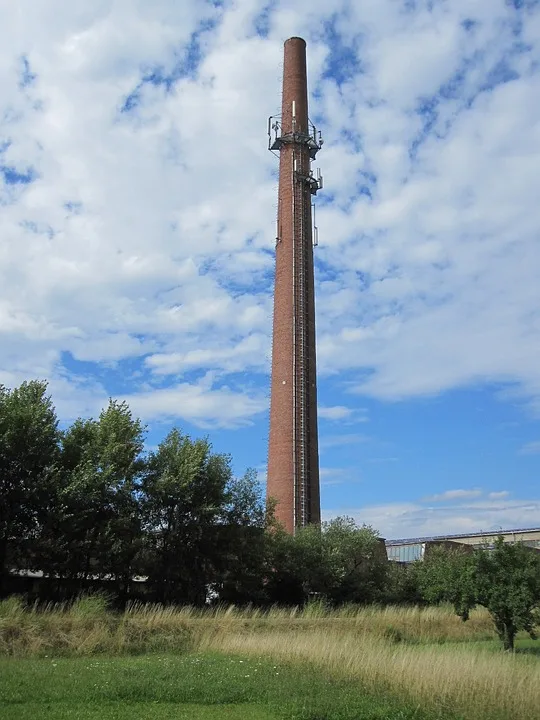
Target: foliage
{"points": [[28, 469], [508, 585], [86, 504], [448, 575], [184, 492], [403, 584], [245, 544], [88, 509], [505, 580], [94, 528], [338, 562]]}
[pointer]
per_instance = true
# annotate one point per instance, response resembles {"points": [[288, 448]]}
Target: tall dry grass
{"points": [[87, 627], [477, 683]]}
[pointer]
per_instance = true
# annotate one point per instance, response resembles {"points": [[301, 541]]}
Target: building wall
{"points": [[409, 551]]}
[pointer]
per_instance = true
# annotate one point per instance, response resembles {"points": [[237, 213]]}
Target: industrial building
{"points": [[412, 549]]}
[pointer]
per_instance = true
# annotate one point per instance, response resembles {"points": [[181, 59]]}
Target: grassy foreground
{"points": [[194, 686], [384, 664]]}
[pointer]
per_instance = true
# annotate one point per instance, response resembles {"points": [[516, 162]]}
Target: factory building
{"points": [[412, 549]]}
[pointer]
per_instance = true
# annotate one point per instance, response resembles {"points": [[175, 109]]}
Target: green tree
{"points": [[288, 578], [184, 498], [339, 562], [508, 585], [449, 575], [28, 468], [402, 584], [354, 560], [505, 580], [120, 445], [95, 529], [243, 561]]}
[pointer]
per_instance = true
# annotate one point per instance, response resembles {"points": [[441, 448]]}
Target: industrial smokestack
{"points": [[293, 455]]}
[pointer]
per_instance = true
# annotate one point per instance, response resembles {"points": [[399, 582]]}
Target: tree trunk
{"points": [[508, 638], [3, 569]]}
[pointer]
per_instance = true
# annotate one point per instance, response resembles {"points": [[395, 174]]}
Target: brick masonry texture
{"points": [[293, 392]]}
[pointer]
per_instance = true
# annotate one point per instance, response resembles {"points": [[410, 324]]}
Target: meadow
{"points": [[390, 663]]}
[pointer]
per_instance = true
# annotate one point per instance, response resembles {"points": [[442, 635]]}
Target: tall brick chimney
{"points": [[293, 453]]}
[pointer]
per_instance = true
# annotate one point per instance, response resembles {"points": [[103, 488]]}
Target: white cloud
{"points": [[454, 495], [336, 412], [498, 495], [412, 519], [249, 353], [202, 404], [532, 448], [148, 235]]}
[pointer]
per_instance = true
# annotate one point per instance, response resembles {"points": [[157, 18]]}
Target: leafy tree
{"points": [[508, 585], [504, 580], [120, 464], [243, 562], [449, 575], [288, 577], [402, 584], [354, 560], [184, 497], [65, 544], [28, 467], [339, 562], [95, 529]]}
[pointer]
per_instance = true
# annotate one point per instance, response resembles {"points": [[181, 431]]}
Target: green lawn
{"points": [[192, 686], [138, 711]]}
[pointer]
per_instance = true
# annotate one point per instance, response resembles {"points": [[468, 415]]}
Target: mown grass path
{"points": [[195, 686]]}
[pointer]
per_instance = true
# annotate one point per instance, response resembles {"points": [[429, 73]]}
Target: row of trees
{"points": [[505, 580], [88, 503]]}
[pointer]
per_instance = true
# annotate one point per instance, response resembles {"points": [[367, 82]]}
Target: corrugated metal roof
{"points": [[486, 533]]}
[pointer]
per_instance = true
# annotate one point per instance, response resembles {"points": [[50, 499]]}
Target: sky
{"points": [[137, 226]]}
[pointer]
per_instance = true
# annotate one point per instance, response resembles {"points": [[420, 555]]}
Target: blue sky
{"points": [[137, 213]]}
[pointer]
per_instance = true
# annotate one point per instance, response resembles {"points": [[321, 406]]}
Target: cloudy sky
{"points": [[137, 223]]}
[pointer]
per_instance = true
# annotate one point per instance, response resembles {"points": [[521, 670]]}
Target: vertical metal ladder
{"points": [[300, 355]]}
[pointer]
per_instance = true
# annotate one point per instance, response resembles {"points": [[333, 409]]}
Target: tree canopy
{"points": [[88, 505], [90, 508], [505, 580]]}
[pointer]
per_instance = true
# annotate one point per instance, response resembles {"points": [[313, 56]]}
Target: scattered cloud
{"points": [[532, 448], [498, 495], [333, 441], [337, 476], [450, 495], [202, 404], [138, 202], [338, 412], [414, 519]]}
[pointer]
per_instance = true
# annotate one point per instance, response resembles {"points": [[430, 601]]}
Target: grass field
{"points": [[358, 663], [194, 686]]}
